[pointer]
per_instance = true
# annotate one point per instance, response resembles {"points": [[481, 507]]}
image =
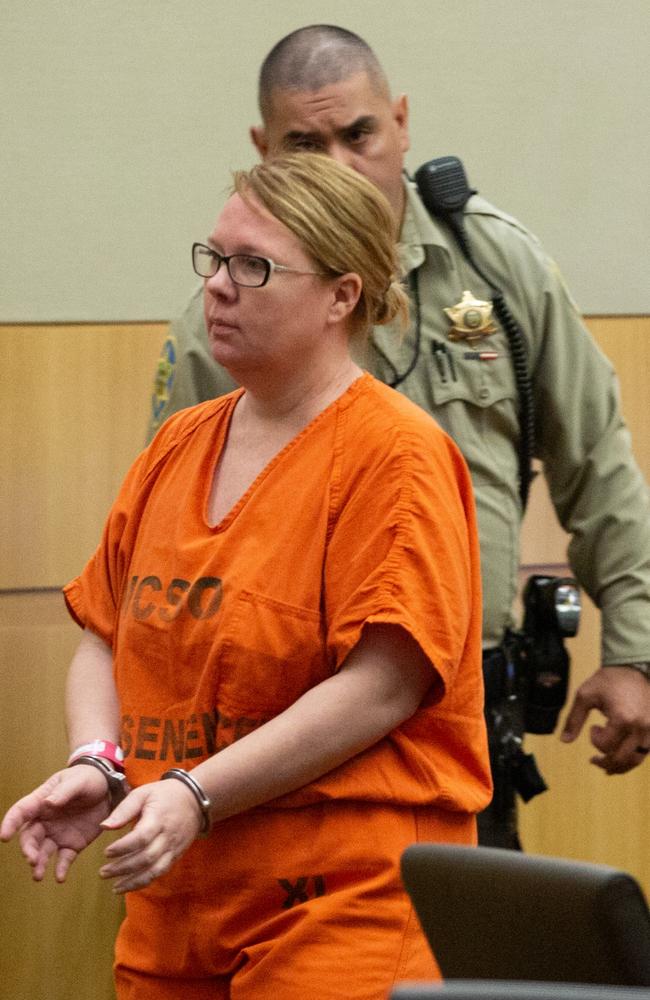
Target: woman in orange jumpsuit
{"points": [[283, 617]]}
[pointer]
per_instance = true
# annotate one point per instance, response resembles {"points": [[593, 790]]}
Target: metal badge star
{"points": [[471, 319]]}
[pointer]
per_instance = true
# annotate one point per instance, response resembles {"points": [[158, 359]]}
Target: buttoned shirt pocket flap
{"points": [[478, 377]]}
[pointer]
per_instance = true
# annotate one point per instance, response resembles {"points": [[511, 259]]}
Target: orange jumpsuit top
{"points": [[366, 516]]}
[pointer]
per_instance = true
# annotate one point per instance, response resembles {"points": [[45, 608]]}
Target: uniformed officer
{"points": [[321, 88]]}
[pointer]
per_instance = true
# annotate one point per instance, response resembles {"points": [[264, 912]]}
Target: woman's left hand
{"points": [[167, 820]]}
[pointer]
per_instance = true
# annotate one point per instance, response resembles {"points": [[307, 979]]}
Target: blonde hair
{"points": [[344, 223]]}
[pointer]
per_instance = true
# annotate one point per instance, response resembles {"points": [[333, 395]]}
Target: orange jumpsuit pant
{"points": [[285, 903]]}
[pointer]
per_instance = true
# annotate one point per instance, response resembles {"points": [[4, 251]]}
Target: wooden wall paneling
{"points": [[626, 342], [56, 941], [74, 412], [586, 814], [72, 419]]}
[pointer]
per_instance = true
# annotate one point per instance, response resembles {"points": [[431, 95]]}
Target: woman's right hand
{"points": [[58, 819]]}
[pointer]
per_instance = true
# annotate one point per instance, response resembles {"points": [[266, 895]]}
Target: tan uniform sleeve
{"points": [[597, 489]]}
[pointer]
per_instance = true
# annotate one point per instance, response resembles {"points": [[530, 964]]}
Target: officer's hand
{"points": [[622, 694]]}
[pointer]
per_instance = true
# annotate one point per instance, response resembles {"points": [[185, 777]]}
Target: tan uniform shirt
{"points": [[597, 489]]}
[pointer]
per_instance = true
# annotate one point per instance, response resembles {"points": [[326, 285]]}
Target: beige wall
{"points": [[72, 418], [123, 121]]}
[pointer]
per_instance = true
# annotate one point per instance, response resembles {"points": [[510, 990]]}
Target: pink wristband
{"points": [[100, 748]]}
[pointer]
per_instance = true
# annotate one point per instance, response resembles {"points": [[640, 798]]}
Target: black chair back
{"points": [[502, 915]]}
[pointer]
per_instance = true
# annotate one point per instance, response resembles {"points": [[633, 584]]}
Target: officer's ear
{"points": [[400, 112], [259, 140]]}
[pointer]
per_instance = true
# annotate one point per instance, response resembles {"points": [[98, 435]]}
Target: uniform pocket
{"points": [[475, 400], [273, 652], [482, 376]]}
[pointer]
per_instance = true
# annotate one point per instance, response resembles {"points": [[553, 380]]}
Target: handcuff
{"points": [[116, 780]]}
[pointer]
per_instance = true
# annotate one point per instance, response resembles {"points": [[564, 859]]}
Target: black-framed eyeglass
{"points": [[244, 269]]}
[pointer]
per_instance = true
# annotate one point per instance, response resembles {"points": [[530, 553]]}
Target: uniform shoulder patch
{"points": [[163, 379]]}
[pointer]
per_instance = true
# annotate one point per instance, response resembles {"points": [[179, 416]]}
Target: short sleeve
{"points": [[403, 549], [93, 598]]}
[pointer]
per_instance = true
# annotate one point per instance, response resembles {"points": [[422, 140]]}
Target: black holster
{"points": [[514, 772]]}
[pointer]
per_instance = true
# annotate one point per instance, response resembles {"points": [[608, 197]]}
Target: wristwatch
{"points": [[115, 779]]}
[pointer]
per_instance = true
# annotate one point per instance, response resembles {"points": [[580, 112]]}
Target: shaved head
{"points": [[314, 57]]}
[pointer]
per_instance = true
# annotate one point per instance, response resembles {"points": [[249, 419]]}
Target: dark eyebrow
{"points": [[295, 135], [365, 123]]}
